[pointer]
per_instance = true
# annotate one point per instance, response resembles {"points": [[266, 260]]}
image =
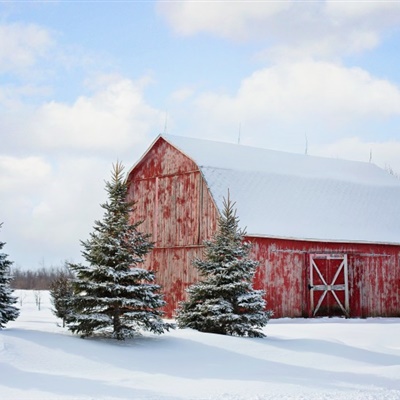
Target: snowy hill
{"points": [[321, 359]]}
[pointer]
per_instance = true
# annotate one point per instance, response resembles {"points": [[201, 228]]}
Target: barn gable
{"points": [[324, 231], [172, 200]]}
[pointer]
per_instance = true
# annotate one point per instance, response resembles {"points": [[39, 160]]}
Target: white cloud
{"points": [[305, 90], [112, 119], [49, 202], [182, 94], [21, 45], [22, 173], [277, 107], [385, 154], [326, 47], [289, 28], [382, 12], [228, 19], [70, 202], [48, 208]]}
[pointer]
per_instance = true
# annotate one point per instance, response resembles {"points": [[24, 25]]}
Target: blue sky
{"points": [[84, 83]]}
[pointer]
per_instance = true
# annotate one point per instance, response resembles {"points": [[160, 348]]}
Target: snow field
{"points": [[315, 359]]}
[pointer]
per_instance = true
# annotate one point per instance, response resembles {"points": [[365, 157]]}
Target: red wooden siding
{"points": [[178, 211], [373, 272], [173, 201]]}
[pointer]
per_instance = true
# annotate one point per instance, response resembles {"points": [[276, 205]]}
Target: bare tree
{"points": [[40, 279], [38, 298]]}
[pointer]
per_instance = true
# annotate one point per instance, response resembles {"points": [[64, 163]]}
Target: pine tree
{"points": [[61, 293], [113, 296], [8, 312], [224, 300]]}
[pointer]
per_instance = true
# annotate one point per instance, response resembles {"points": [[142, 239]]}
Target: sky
{"points": [[86, 83]]}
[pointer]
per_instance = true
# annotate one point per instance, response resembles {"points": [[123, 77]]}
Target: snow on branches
{"points": [[224, 300], [8, 312], [113, 295]]}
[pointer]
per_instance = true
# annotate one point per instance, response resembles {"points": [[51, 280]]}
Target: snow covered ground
{"points": [[323, 359]]}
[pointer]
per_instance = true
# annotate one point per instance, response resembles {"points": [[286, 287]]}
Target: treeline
{"points": [[40, 279]]}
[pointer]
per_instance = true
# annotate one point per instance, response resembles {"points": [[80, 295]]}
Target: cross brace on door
{"points": [[331, 287]]}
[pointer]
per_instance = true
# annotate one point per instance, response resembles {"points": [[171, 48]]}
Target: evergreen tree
{"points": [[224, 301], [61, 293], [113, 296], [8, 312]]}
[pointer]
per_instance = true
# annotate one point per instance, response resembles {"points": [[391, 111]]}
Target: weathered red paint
{"points": [[374, 275], [176, 207], [174, 203]]}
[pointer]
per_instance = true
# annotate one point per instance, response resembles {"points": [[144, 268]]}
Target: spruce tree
{"points": [[113, 295], [61, 293], [224, 301], [8, 312]]}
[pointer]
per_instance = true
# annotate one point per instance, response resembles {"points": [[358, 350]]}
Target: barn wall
{"points": [[374, 276], [176, 208], [174, 202]]}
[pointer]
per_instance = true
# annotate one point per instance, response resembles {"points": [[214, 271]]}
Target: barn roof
{"points": [[286, 195]]}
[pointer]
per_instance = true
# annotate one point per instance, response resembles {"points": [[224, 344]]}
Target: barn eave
{"points": [[319, 240]]}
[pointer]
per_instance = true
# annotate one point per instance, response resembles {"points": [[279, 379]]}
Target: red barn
{"points": [[326, 232]]}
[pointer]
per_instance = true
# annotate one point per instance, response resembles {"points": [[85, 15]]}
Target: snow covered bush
{"points": [[113, 296], [224, 301], [8, 312]]}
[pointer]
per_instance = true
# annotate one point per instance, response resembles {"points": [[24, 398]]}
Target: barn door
{"points": [[328, 285]]}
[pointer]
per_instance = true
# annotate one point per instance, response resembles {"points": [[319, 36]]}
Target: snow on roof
{"points": [[286, 195]]}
